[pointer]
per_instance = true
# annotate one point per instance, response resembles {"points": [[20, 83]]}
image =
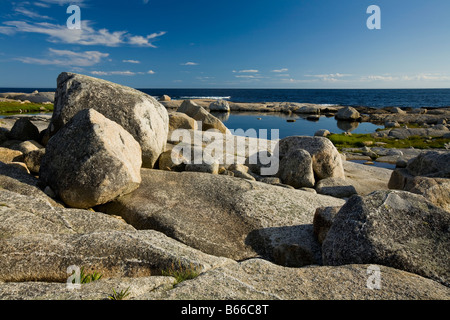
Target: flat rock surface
{"points": [[366, 179], [258, 279], [221, 215]]}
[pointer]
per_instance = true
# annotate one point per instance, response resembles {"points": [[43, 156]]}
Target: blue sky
{"points": [[228, 44]]}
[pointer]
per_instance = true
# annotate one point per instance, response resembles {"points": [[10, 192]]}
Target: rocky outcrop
{"points": [[23, 130], [296, 169], [138, 113], [335, 187], [348, 114], [432, 164], [428, 175], [326, 159], [258, 279], [91, 161], [102, 289], [219, 106], [179, 120], [323, 220], [46, 257], [226, 216], [198, 113], [34, 97], [392, 228]]}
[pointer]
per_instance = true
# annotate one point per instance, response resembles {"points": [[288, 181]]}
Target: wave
{"points": [[201, 97]]}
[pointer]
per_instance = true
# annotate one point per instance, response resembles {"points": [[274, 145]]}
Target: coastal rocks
{"points": [[46, 257], [322, 133], [225, 216], [326, 159], [296, 169], [212, 168], [428, 175], [91, 161], [323, 220], [392, 228], [165, 98], [335, 187], [404, 133], [97, 290], [172, 161], [9, 155], [23, 130], [220, 106], [431, 164], [178, 120], [33, 160], [138, 113], [198, 113], [348, 114], [22, 215], [257, 279], [34, 97], [16, 180], [366, 179]]}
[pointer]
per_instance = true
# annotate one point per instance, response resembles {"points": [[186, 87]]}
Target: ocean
{"points": [[377, 98]]}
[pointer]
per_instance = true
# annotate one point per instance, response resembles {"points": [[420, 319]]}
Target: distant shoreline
{"points": [[370, 98]]}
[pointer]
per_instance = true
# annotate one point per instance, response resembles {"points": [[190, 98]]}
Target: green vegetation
{"points": [[181, 273], [17, 107], [88, 277], [119, 295], [358, 140]]}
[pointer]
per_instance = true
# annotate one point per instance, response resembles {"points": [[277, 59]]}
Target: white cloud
{"points": [[31, 14], [120, 73], [421, 77], [47, 3], [190, 64], [144, 41], [331, 77], [131, 61], [113, 73], [281, 70], [249, 77], [86, 36], [246, 71], [67, 58]]}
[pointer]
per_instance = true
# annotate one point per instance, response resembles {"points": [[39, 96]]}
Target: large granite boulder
{"points": [[392, 228], [226, 216], [220, 106], [91, 160], [23, 129], [326, 159], [199, 113], [348, 114], [431, 164], [296, 169], [179, 120], [428, 175], [138, 113]]}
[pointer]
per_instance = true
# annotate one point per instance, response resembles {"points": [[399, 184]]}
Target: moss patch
{"points": [[357, 141], [8, 107]]}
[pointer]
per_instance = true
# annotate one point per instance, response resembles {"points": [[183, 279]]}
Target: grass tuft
{"points": [[181, 273]]}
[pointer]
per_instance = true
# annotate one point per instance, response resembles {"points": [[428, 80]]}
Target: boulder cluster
{"points": [[106, 188]]}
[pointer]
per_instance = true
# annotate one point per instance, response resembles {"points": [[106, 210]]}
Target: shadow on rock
{"points": [[289, 246]]}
